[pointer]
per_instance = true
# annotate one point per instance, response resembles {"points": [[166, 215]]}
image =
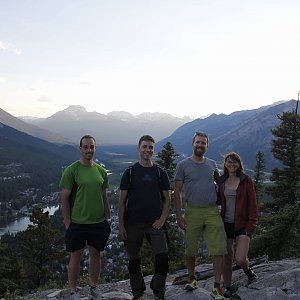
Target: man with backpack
{"points": [[143, 209], [87, 216]]}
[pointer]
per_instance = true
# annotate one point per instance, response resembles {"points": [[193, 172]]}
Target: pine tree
{"points": [[259, 174], [278, 232], [286, 148], [166, 159], [41, 249], [10, 280]]}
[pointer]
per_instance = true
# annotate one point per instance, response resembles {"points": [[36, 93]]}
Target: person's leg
{"points": [[97, 236], [74, 269], [190, 262], [218, 263], [134, 242], [161, 267], [215, 239], [193, 217], [94, 265], [242, 247], [241, 256], [75, 243], [227, 269]]}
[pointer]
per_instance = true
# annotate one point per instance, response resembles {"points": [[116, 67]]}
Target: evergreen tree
{"points": [[259, 174], [10, 278], [41, 249], [166, 159], [278, 235], [285, 148], [278, 232]]}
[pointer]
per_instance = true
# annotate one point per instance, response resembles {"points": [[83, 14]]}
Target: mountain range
{"points": [[115, 128], [245, 132]]}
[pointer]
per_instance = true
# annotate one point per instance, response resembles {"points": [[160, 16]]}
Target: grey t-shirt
{"points": [[198, 181]]}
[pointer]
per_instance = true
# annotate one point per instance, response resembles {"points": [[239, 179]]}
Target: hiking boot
{"points": [[74, 296], [95, 293], [251, 275], [228, 292], [138, 297], [192, 284], [217, 293]]}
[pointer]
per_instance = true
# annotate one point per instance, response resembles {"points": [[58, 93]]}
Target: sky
{"points": [[186, 58]]}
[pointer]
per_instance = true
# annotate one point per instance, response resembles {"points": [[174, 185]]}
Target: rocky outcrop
{"points": [[278, 280]]}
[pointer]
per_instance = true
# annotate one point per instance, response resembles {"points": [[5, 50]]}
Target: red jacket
{"points": [[246, 211]]}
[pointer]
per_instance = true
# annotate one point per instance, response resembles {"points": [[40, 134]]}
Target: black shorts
{"points": [[79, 235], [231, 234]]}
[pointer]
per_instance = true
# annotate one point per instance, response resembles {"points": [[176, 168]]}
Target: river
{"points": [[22, 223]]}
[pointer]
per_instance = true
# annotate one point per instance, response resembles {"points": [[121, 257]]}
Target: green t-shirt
{"points": [[92, 181]]}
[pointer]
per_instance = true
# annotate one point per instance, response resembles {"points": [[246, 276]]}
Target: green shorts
{"points": [[204, 221]]}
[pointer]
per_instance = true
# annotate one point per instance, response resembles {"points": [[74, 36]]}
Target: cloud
{"points": [[10, 47], [18, 51], [2, 79], [44, 99]]}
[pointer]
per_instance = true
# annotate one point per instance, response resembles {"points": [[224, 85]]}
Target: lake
{"points": [[22, 223]]}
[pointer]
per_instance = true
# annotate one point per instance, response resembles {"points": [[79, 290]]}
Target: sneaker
{"points": [[217, 293], [192, 284], [95, 293], [251, 275], [74, 296]]}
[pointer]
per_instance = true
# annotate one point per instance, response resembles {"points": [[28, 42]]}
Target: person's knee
{"points": [[240, 260], [134, 266], [228, 260], [161, 264]]}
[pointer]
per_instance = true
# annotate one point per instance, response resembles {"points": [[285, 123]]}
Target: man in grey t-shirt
{"points": [[197, 175]]}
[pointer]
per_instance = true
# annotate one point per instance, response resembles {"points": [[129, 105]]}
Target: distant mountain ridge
{"points": [[245, 132], [21, 125], [115, 128]]}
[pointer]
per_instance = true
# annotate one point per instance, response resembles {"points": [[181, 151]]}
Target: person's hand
{"points": [[122, 233], [158, 224], [181, 222], [67, 224]]}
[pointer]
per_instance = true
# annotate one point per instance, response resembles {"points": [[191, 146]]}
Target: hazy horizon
{"points": [[186, 58]]}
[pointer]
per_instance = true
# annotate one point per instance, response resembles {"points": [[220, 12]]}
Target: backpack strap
{"points": [[129, 177], [72, 196]]}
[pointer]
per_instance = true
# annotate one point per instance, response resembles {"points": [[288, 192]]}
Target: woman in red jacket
{"points": [[240, 215]]}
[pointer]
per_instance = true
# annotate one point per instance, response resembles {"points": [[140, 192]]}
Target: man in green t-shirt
{"points": [[87, 220]]}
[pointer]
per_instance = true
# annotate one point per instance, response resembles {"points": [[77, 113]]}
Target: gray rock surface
{"points": [[278, 280]]}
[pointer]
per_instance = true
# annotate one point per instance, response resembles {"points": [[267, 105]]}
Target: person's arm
{"points": [[158, 224], [65, 206], [252, 207], [106, 205], [121, 212], [178, 204]]}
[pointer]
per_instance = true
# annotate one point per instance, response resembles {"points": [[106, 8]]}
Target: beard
{"points": [[199, 151]]}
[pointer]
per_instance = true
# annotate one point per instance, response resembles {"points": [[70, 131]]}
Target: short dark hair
{"points": [[198, 133], [146, 137], [87, 136]]}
